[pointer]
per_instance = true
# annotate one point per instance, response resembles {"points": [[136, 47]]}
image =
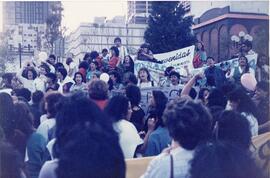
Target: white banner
{"points": [[232, 63], [180, 59]]}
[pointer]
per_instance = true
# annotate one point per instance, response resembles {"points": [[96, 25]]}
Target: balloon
{"points": [[42, 56], [248, 81], [104, 77]]}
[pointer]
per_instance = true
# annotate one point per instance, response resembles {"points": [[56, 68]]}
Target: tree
{"points": [[53, 25], [5, 56], [168, 27], [261, 40]]}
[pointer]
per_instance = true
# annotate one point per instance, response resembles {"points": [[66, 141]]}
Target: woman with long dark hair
{"points": [[128, 65], [137, 117], [200, 55], [157, 136], [79, 84], [114, 60], [145, 78], [239, 101], [31, 145], [119, 110], [83, 128]]}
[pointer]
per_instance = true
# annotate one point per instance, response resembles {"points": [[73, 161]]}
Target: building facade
{"points": [[24, 23], [100, 34], [139, 11], [27, 12], [216, 26]]}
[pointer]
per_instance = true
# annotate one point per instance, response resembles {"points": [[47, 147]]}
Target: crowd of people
{"points": [[62, 120]]}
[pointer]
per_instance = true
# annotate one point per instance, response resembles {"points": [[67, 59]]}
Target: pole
{"points": [[20, 54]]}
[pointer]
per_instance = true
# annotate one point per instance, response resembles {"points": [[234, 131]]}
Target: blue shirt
{"points": [[158, 140]]}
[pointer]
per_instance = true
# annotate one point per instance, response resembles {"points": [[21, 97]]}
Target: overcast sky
{"points": [[82, 11], [76, 12]]}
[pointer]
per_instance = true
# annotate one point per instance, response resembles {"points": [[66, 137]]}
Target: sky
{"points": [[1, 17], [76, 12]]}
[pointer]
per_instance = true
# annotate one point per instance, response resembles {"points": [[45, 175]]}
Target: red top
{"points": [[113, 62], [101, 103]]}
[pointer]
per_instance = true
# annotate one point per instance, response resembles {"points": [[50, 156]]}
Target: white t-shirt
{"points": [[40, 83], [160, 166], [146, 84], [48, 169], [254, 127], [66, 80], [50, 147], [129, 138], [45, 127]]}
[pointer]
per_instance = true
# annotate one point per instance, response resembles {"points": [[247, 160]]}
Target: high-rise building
{"points": [[24, 23], [27, 12], [138, 11]]}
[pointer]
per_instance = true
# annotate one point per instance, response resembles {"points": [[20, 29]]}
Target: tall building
{"points": [[27, 12], [24, 23], [139, 11]]}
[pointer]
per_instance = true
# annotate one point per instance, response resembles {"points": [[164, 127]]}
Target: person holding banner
{"points": [[200, 55], [144, 78], [236, 73], [145, 54]]}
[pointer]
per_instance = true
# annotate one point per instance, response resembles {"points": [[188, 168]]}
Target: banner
{"points": [[232, 63], [180, 59]]}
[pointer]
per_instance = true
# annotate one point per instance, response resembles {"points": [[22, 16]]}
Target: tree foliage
{"points": [[5, 57], [168, 27], [261, 41], [53, 25]]}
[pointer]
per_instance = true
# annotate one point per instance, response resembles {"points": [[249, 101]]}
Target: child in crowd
{"points": [[145, 78]]}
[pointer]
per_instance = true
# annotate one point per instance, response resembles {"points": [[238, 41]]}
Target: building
{"points": [[216, 26], [100, 34], [139, 11], [24, 22], [27, 12], [259, 7]]}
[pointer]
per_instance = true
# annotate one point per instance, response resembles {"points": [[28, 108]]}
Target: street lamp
{"points": [[238, 40]]}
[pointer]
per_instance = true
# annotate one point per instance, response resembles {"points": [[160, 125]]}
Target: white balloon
{"points": [[104, 77], [249, 81], [42, 56]]}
